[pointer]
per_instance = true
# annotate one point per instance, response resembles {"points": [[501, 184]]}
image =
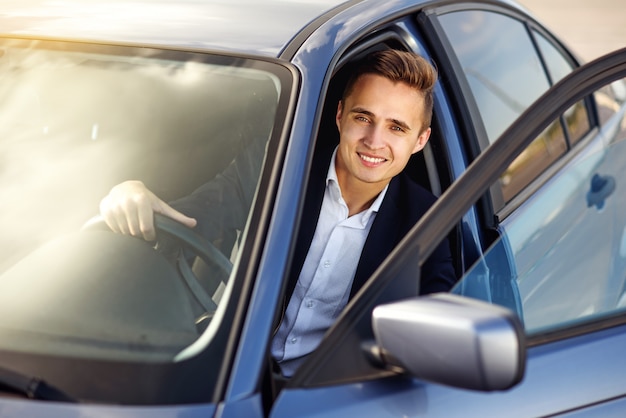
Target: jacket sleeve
{"points": [[221, 205], [438, 271]]}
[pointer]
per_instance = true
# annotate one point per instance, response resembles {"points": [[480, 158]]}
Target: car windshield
{"points": [[77, 119]]}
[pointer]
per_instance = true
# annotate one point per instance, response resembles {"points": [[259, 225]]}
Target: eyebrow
{"points": [[400, 123]]}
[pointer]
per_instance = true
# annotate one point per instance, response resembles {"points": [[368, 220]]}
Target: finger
{"points": [[108, 214], [172, 213], [145, 222], [119, 218], [130, 219], [121, 214]]}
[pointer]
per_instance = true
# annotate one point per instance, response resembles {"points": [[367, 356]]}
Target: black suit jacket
{"points": [[404, 204]]}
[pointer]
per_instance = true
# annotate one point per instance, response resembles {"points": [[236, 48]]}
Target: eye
{"points": [[397, 128], [362, 118]]}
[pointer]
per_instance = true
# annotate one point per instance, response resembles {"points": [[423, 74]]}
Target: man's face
{"points": [[380, 127]]}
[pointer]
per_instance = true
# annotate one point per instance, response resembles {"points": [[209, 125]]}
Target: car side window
{"points": [[557, 65], [500, 63], [508, 65], [534, 160], [576, 119], [561, 256]]}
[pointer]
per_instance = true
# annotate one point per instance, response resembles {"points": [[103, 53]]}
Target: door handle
{"points": [[601, 188]]}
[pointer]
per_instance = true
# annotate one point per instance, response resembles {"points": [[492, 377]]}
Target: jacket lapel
{"points": [[381, 239]]}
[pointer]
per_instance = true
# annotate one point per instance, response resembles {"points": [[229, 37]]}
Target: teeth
{"points": [[371, 159]]}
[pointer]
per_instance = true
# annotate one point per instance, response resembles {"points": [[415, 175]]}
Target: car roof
{"points": [[264, 27]]}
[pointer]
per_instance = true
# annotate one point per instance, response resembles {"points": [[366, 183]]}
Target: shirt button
{"points": [[294, 340], [309, 304], [326, 263]]}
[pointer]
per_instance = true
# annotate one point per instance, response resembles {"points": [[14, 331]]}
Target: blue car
{"points": [[525, 157]]}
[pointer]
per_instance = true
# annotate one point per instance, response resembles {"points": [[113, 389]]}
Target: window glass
{"points": [[499, 62], [576, 119], [577, 122], [75, 120], [558, 65], [561, 255], [544, 150], [505, 75]]}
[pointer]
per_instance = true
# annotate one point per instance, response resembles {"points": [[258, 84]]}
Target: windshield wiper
{"points": [[31, 386]]}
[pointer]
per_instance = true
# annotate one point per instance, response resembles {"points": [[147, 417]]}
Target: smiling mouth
{"points": [[372, 160]]}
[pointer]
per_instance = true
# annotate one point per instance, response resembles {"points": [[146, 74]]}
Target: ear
{"points": [[339, 114], [422, 139]]}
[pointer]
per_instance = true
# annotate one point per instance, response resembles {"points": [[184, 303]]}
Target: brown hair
{"points": [[399, 66]]}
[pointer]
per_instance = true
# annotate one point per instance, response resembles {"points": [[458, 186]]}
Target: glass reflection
{"points": [[499, 62]]}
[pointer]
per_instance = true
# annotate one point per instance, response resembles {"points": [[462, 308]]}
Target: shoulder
{"points": [[404, 204], [408, 194]]}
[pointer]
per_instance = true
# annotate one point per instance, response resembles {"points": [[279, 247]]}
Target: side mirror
{"points": [[452, 340]]}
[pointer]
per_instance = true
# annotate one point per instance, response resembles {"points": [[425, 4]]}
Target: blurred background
{"points": [[590, 27]]}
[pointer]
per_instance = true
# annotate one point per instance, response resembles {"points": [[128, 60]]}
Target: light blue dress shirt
{"points": [[324, 284]]}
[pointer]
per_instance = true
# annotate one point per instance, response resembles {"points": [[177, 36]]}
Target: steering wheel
{"points": [[187, 238]]}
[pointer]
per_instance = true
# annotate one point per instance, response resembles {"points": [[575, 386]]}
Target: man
{"points": [[358, 206]]}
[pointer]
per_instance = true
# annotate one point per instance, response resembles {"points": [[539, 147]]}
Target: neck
{"points": [[358, 195]]}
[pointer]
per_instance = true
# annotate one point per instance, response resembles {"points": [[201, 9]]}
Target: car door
{"points": [[574, 366], [570, 229], [503, 62]]}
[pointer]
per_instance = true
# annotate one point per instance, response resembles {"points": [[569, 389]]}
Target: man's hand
{"points": [[129, 209]]}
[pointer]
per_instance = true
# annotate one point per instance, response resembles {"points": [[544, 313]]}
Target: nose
{"points": [[375, 137]]}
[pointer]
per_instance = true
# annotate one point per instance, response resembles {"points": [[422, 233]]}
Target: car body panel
{"points": [[28, 408], [194, 24], [399, 396]]}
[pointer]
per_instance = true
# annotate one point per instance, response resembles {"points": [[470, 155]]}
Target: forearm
{"points": [[221, 206]]}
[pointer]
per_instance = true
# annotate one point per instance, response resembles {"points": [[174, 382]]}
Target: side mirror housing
{"points": [[452, 340]]}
